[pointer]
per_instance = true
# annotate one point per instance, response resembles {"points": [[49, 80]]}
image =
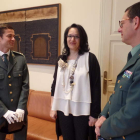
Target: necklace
{"points": [[71, 77]]}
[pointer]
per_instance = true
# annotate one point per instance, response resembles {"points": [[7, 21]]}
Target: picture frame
{"points": [[37, 32]]}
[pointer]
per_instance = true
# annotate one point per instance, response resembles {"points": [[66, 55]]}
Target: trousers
{"points": [[73, 127]]}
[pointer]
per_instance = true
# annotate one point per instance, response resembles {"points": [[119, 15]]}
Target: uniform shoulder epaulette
{"points": [[18, 53]]}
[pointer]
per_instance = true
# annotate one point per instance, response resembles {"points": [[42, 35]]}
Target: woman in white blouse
{"points": [[76, 88]]}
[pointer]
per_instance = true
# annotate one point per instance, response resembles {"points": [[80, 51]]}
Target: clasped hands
{"points": [[98, 125], [12, 116]]}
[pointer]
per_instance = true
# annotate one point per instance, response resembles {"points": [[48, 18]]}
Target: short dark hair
{"points": [[3, 27], [84, 47], [133, 10]]}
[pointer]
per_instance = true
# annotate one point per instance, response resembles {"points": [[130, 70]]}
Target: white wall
{"points": [[84, 12]]}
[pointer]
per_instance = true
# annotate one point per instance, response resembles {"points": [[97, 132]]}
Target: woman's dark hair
{"points": [[3, 27], [133, 11], [84, 47]]}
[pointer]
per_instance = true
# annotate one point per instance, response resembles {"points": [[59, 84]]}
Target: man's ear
{"points": [[136, 21]]}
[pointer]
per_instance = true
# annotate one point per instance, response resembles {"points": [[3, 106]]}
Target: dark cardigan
{"points": [[95, 86]]}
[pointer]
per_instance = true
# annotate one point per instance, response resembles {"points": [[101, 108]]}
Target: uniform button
{"points": [[123, 137], [9, 76], [10, 85], [120, 86], [109, 102], [11, 100], [10, 92], [19, 75], [108, 113], [118, 81], [110, 138]]}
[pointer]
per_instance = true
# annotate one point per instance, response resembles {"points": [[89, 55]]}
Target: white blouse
{"points": [[77, 102]]}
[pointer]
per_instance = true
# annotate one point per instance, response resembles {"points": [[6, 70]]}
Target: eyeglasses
{"points": [[121, 22], [71, 36]]}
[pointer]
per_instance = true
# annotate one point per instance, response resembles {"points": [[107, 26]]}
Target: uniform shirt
{"points": [[8, 53], [135, 49]]}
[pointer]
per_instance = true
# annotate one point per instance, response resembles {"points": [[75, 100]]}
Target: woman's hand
{"points": [[92, 121], [53, 114]]}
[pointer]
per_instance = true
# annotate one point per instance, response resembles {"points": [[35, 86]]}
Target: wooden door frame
{"points": [[102, 36]]}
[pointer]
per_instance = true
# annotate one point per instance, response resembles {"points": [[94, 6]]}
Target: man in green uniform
{"points": [[120, 119], [14, 85]]}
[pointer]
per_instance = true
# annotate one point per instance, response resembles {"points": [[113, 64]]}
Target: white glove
{"points": [[10, 116], [20, 114]]}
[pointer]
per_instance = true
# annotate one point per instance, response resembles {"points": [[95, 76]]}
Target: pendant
{"points": [[71, 82], [72, 77], [72, 71]]}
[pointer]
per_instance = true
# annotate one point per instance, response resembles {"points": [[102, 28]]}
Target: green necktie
{"points": [[129, 56], [5, 59]]}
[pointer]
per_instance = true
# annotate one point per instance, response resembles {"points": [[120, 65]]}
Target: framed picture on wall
{"points": [[37, 32]]}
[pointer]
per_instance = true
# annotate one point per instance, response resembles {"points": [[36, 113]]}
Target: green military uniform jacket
{"points": [[14, 84], [123, 108]]}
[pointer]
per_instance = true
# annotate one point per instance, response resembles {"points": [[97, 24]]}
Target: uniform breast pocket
{"points": [[1, 81], [123, 92], [123, 96], [17, 78]]}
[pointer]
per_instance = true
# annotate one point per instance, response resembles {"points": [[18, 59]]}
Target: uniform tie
{"points": [[5, 59], [129, 56]]}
